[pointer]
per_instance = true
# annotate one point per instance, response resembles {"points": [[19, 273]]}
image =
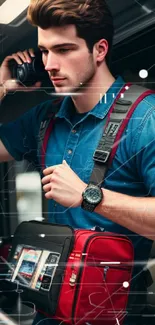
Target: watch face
{"points": [[93, 194]]}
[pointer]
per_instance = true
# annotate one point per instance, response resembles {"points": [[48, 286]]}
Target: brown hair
{"points": [[92, 18]]}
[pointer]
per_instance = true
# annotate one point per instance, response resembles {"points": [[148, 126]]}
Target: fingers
{"points": [[25, 56], [65, 163], [49, 170], [46, 179], [21, 57], [18, 57], [47, 188], [48, 195], [31, 51], [28, 54]]}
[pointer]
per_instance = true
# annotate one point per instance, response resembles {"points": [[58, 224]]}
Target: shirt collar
{"points": [[101, 108]]}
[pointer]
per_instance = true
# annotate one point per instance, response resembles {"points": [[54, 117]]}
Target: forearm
{"points": [[135, 213]]}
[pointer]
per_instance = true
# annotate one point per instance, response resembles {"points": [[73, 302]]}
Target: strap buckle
{"points": [[101, 156]]}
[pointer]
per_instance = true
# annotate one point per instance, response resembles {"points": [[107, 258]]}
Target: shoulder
{"points": [[140, 128], [42, 111], [46, 107], [142, 122], [142, 106], [146, 104], [29, 122]]}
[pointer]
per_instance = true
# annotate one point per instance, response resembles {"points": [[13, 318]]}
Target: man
{"points": [[75, 40]]}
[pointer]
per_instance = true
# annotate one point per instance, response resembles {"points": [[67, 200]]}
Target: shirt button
{"points": [[73, 131], [69, 151]]}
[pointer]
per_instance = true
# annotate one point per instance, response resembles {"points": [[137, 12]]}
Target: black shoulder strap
{"points": [[119, 115], [45, 130]]}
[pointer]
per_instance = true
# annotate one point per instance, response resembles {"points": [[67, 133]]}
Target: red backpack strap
{"points": [[141, 92], [119, 114], [45, 130]]}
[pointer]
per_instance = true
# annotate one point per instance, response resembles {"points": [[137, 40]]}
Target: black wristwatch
{"points": [[92, 196]]}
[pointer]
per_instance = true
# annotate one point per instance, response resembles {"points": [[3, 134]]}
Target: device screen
{"points": [[33, 267]]}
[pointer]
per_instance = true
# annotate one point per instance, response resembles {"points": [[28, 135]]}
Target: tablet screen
{"points": [[33, 267]]}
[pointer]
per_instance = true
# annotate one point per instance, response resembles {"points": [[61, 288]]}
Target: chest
{"points": [[77, 144]]}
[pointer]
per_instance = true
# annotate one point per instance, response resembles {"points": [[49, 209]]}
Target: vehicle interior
{"points": [[21, 195]]}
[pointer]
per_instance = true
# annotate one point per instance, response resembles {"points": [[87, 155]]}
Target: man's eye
{"points": [[44, 51], [63, 50]]}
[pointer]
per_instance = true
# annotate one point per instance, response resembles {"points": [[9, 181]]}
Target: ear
{"points": [[101, 49]]}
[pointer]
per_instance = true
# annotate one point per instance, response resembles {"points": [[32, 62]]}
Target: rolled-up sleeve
{"points": [[19, 136]]}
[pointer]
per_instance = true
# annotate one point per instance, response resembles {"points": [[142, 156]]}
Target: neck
{"points": [[92, 93]]}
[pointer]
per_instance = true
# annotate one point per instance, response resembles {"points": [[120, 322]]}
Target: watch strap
{"points": [[87, 206]]}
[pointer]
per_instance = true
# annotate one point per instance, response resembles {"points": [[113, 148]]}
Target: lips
{"points": [[57, 79]]}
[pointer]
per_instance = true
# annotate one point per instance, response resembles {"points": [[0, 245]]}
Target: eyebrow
{"points": [[59, 45]]}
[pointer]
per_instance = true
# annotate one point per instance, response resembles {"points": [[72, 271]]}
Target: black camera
{"points": [[29, 73]]}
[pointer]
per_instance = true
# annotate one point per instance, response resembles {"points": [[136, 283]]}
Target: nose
{"points": [[51, 63]]}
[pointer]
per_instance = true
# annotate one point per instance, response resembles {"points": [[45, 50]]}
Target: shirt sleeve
{"points": [[144, 150], [20, 136]]}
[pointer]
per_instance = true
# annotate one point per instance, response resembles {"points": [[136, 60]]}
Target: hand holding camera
{"points": [[22, 71]]}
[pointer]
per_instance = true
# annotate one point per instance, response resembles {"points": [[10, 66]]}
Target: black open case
{"points": [[37, 262]]}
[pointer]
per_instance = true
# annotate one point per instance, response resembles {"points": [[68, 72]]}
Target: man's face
{"points": [[66, 58]]}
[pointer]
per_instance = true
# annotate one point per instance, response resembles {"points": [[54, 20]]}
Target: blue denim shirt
{"points": [[75, 138]]}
